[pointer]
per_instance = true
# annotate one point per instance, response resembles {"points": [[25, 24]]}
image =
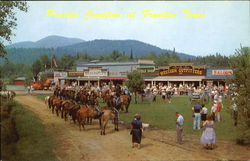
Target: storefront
{"points": [[175, 74], [217, 76], [178, 73]]}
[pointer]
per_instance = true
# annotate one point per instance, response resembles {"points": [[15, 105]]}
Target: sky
{"points": [[224, 28]]}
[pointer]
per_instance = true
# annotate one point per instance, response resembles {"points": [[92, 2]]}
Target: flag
{"points": [[54, 63]]}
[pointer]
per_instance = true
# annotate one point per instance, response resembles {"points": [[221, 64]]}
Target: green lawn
{"points": [[163, 115], [24, 136], [42, 96]]}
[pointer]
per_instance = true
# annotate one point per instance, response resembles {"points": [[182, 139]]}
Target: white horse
{"points": [[46, 100], [7, 94]]}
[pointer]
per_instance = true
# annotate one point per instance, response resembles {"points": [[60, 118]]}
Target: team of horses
{"points": [[83, 106]]}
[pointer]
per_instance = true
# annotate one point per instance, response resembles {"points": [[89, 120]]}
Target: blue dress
{"points": [[136, 131], [208, 135]]}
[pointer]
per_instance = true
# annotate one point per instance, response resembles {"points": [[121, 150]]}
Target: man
{"points": [[155, 92], [179, 127], [197, 116], [219, 107]]}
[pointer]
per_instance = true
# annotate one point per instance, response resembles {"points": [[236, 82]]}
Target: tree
{"points": [[66, 62], [131, 55], [45, 62], [8, 20], [115, 55], [240, 63], [135, 82], [36, 68]]}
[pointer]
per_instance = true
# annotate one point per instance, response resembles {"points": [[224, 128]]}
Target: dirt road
{"points": [[73, 145]]}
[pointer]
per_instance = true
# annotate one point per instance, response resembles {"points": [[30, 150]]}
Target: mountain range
{"points": [[28, 51], [52, 41]]}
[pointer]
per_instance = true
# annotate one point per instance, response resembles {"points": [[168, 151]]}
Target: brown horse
{"points": [[66, 106], [105, 117], [104, 95], [125, 101], [83, 113], [56, 105], [50, 100]]}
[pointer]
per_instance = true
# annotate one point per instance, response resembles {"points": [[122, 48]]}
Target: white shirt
{"points": [[214, 108], [180, 120], [204, 110]]}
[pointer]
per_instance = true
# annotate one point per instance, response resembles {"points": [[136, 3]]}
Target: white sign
{"points": [[95, 73], [222, 72], [58, 75]]}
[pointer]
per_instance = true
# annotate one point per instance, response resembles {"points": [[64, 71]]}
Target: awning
{"points": [[177, 78], [114, 78]]}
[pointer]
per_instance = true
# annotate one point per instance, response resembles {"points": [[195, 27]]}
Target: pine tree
{"points": [[131, 54]]}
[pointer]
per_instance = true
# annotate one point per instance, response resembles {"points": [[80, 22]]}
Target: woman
{"points": [[208, 135], [136, 131], [203, 113], [213, 110]]}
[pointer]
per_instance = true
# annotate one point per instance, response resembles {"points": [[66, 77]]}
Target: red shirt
{"points": [[218, 107]]}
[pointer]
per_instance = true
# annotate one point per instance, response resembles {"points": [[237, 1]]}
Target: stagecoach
{"points": [[196, 97]]}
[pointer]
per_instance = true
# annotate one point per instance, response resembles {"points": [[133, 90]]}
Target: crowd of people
{"points": [[203, 117]]}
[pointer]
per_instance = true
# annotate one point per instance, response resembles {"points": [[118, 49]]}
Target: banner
{"points": [[59, 75], [75, 74], [222, 72], [182, 71], [95, 73]]}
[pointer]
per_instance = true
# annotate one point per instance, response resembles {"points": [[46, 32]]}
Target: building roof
{"points": [[20, 78], [88, 64], [209, 74]]}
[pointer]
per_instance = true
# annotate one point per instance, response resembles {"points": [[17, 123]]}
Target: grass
{"points": [[42, 96], [162, 115], [32, 143]]}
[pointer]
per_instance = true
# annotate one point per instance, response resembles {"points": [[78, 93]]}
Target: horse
{"points": [[73, 112], [56, 105], [9, 95], [92, 103], [65, 107], [83, 113], [50, 101], [46, 100], [105, 117], [125, 102]]}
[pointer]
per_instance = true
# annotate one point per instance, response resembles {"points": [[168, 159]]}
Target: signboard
{"points": [[182, 71], [222, 72], [75, 74], [59, 75], [95, 73]]}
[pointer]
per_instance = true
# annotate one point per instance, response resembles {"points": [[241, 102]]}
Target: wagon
{"points": [[196, 97]]}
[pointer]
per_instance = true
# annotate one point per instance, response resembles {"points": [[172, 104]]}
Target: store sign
{"points": [[95, 73], [75, 74], [182, 71], [222, 72], [58, 75]]}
